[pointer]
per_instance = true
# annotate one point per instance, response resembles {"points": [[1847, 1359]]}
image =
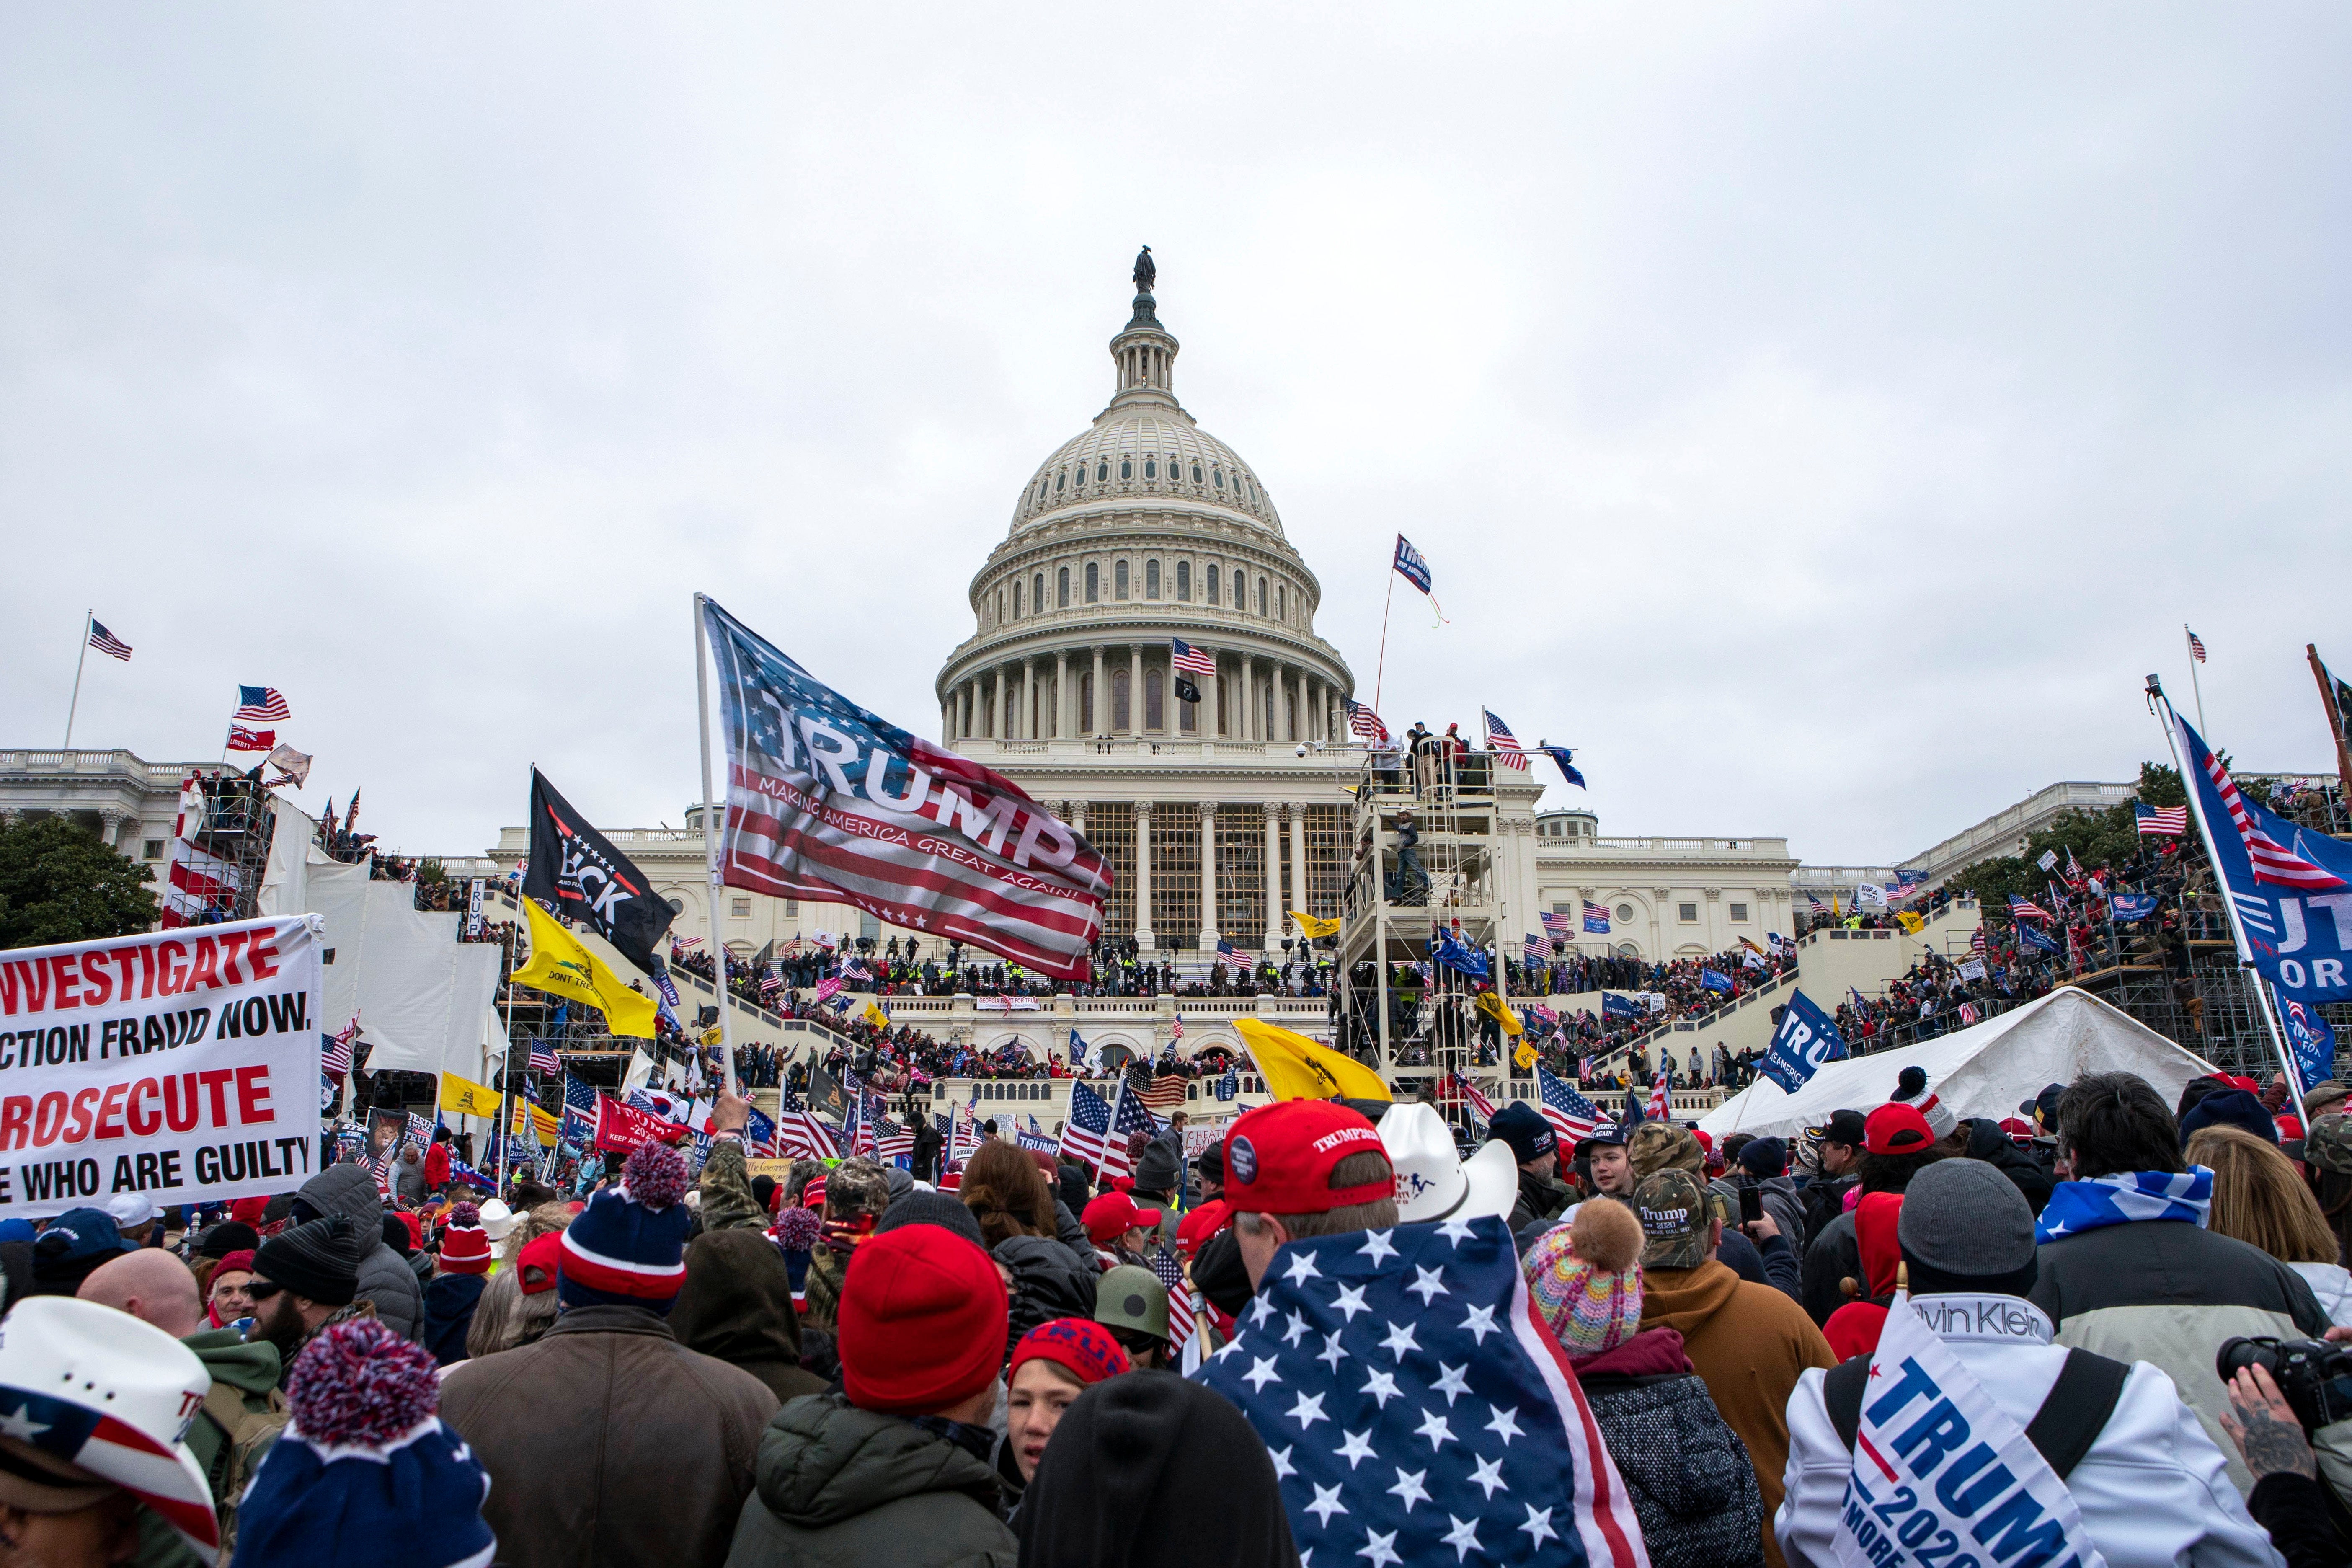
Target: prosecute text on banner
{"points": [[178, 1064]]}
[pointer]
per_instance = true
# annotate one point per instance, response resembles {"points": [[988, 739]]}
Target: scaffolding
{"points": [[1409, 1018], [224, 835]]}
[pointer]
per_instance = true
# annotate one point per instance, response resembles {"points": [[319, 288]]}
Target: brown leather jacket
{"points": [[609, 1443]]}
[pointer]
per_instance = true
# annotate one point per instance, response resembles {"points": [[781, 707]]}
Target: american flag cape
{"points": [[1572, 1117], [827, 800], [1413, 1404]]}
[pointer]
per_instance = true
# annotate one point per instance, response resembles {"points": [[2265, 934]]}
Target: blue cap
{"points": [[80, 1234]]}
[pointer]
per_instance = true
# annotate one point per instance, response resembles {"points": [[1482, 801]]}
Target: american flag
{"points": [[1815, 905], [542, 1059], [1417, 1348], [1195, 661], [804, 1135], [1596, 917], [1474, 1097], [579, 1125], [1977, 940], [1160, 1094], [1968, 1012], [337, 1057], [681, 944], [1365, 724], [2271, 861], [1660, 1104], [1557, 927], [1232, 957], [2195, 644], [241, 739], [769, 985], [993, 868], [2161, 821], [2022, 907], [1539, 950], [1084, 1133], [1506, 747], [1572, 1116], [892, 1141], [260, 705], [1181, 1311], [106, 642]]}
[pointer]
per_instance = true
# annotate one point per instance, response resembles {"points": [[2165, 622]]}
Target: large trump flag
{"points": [[827, 800]]}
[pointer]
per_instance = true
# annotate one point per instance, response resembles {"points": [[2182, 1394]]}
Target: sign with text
{"points": [[176, 1064]]}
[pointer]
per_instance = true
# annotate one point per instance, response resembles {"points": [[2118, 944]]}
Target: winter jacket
{"points": [[1694, 1489], [1049, 1281], [385, 1277], [1070, 1233], [1824, 1199], [2169, 1293], [1835, 1257], [2331, 1285], [247, 1373], [728, 1201], [737, 1307], [1540, 1198], [1987, 1142], [437, 1167], [2152, 1488], [608, 1443], [841, 1485], [450, 1303], [2293, 1509], [1749, 1343]]}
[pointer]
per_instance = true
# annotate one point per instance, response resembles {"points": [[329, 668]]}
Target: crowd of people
{"points": [[1023, 1357]]}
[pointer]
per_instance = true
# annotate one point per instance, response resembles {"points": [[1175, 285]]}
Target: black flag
{"points": [[1185, 690], [579, 874]]}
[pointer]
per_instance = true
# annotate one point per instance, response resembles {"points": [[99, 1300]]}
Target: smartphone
{"points": [[1751, 1203]]}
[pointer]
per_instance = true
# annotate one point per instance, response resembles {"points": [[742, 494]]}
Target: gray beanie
{"points": [[1964, 1219], [1155, 1171], [932, 1208]]}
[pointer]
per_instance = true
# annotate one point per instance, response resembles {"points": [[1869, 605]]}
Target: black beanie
{"points": [[932, 1208], [1221, 1274], [230, 1235], [314, 1259]]}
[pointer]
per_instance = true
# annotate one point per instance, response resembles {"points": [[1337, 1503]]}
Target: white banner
{"points": [[474, 910], [180, 1064]]}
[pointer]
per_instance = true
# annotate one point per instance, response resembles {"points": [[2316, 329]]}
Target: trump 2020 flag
{"points": [[2310, 1038], [1418, 1411], [1805, 1039], [827, 800]]}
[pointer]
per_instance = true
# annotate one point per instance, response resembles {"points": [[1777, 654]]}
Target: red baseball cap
{"points": [[1113, 1214], [1897, 1130], [1279, 1158], [1201, 1223]]}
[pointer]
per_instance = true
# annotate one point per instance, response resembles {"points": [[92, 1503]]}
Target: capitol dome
{"points": [[1141, 531]]}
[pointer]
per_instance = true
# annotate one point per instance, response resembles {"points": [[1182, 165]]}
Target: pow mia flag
{"points": [[1185, 690], [576, 872]]}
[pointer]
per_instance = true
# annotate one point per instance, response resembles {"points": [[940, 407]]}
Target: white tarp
{"points": [[1983, 1070], [418, 993]]}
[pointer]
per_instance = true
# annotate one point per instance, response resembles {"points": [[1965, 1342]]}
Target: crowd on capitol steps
{"points": [[2110, 1329]]}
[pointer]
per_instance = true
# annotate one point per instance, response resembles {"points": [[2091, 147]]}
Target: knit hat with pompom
{"points": [[464, 1244], [365, 1475], [1586, 1277], [628, 1249]]}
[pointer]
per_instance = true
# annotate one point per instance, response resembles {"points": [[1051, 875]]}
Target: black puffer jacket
{"points": [[1693, 1485], [1987, 1142], [1049, 1281]]}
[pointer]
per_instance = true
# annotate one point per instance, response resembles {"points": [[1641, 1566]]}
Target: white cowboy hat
{"points": [[97, 1391], [1433, 1183], [496, 1219]]}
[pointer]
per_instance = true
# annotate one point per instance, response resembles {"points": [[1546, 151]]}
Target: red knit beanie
{"points": [[921, 1321]]}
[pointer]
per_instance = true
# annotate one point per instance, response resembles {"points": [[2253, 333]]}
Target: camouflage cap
{"points": [[855, 1186], [1675, 1220], [2328, 1144], [1662, 1145]]}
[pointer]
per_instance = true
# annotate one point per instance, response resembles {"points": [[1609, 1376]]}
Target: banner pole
{"points": [[2335, 719], [88, 619], [2237, 930], [1380, 670], [710, 838]]}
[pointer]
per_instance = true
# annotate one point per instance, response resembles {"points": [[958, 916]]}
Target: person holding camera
{"points": [[2272, 1439], [2145, 1484]]}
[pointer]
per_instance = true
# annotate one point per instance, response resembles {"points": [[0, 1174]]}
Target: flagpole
{"points": [[1379, 671], [2189, 640], [710, 838], [2335, 721], [2237, 927], [89, 619]]}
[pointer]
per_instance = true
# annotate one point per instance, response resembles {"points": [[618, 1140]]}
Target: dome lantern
{"points": [[1144, 352]]}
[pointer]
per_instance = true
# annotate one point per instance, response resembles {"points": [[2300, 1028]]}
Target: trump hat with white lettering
{"points": [[91, 1397], [1280, 1158], [1434, 1183]]}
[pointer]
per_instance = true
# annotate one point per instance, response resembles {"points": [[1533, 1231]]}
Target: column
{"points": [[1209, 877], [946, 721], [1135, 688], [1102, 694], [972, 709], [1245, 715], [1143, 937], [1293, 703], [1062, 705], [1273, 878], [996, 708], [1298, 861], [1027, 723]]}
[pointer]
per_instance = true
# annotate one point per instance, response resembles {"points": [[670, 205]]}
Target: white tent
{"points": [[1983, 1070]]}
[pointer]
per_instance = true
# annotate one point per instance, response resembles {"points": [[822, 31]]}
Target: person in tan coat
{"points": [[1749, 1343]]}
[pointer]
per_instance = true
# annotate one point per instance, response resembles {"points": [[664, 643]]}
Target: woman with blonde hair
{"points": [[1006, 1193], [2260, 1198]]}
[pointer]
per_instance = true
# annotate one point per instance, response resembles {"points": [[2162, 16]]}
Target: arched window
{"points": [[1102, 471], [1261, 595], [1119, 698], [1279, 613], [1061, 589], [1151, 707], [1118, 580], [1184, 582], [1151, 579], [1217, 477], [1196, 473], [1037, 594], [1016, 599], [1094, 581], [1000, 607], [1127, 467], [1213, 582], [1087, 725], [1151, 468]]}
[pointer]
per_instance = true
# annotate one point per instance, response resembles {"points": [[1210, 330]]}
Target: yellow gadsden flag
{"points": [[1296, 1067], [1314, 928], [1492, 1006], [1909, 922], [562, 967], [468, 1097]]}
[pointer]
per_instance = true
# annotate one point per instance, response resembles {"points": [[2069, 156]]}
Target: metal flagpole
{"points": [[2237, 927], [89, 619], [710, 837], [1380, 670], [2189, 640]]}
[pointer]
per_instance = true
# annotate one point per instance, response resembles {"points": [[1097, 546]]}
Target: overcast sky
{"points": [[1821, 417]]}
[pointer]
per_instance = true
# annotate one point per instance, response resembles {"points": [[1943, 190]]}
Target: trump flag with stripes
{"points": [[827, 800]]}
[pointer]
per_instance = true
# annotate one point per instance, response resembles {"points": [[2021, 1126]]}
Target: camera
{"points": [[1301, 752], [2315, 1375]]}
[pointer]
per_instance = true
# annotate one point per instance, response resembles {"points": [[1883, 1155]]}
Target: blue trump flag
{"points": [[1805, 1039], [1559, 755], [2309, 1037], [2132, 906], [1411, 566], [1449, 950], [1713, 980], [1615, 1006], [2036, 939]]}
